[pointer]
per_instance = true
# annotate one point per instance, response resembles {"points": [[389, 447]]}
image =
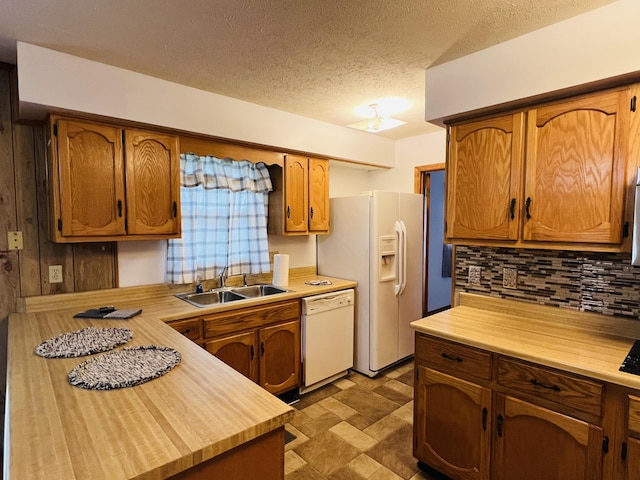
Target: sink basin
{"points": [[210, 298], [253, 291]]}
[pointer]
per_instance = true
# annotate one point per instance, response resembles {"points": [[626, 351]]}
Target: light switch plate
{"points": [[15, 240], [474, 275], [510, 278]]}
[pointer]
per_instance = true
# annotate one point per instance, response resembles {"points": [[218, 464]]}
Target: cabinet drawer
{"points": [[192, 329], [634, 414], [564, 389], [248, 318], [453, 357]]}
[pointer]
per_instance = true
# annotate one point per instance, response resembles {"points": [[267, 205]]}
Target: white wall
{"points": [[593, 46], [411, 152], [52, 80]]}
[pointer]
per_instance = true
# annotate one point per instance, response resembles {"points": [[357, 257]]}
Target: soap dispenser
{"points": [[199, 288]]}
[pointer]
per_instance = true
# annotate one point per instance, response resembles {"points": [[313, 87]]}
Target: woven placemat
{"points": [[82, 342], [126, 367]]}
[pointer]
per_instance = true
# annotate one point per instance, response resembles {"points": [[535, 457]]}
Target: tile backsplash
{"points": [[605, 283]]}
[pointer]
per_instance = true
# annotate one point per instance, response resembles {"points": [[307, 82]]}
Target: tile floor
{"points": [[355, 428]]}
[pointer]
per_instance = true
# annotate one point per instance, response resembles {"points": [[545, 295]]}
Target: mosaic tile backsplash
{"points": [[605, 283]]}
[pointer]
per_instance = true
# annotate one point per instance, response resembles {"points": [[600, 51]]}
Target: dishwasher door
{"points": [[327, 338]]}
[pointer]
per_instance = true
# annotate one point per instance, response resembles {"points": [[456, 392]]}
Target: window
{"points": [[224, 219]]}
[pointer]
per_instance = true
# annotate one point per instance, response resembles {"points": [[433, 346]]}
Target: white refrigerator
{"points": [[376, 240]]}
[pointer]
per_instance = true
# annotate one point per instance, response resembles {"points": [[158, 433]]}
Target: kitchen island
{"points": [[200, 420], [508, 389]]}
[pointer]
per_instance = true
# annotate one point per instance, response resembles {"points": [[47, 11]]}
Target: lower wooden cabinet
{"points": [[269, 356], [534, 443], [261, 342], [237, 351], [480, 415], [455, 441], [632, 459]]}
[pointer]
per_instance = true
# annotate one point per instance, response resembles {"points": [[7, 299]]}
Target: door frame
{"points": [[421, 182]]}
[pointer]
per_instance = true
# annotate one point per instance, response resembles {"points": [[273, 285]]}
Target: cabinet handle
{"points": [[252, 352], [175, 209], [623, 453], [186, 332], [120, 208], [311, 212], [485, 412], [499, 422], [288, 211], [512, 208], [449, 357], [262, 349], [553, 387], [527, 206]]}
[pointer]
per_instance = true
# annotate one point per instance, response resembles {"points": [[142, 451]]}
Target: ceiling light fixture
{"points": [[376, 122]]}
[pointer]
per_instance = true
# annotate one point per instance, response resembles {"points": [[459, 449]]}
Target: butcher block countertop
{"points": [[587, 344], [193, 413]]}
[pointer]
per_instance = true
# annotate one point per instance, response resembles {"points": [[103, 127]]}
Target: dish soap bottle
{"points": [[199, 284]]}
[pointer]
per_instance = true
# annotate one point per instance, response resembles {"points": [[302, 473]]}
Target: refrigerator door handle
{"points": [[397, 227], [404, 257]]}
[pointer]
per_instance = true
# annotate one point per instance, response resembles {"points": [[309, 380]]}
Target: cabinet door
{"points": [[452, 429], [238, 351], [483, 179], [575, 170], [532, 443], [280, 357], [153, 183], [318, 195], [296, 206], [633, 459], [91, 183]]}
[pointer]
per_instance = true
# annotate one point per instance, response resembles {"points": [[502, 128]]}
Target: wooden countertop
{"points": [[587, 344], [159, 300], [195, 412]]}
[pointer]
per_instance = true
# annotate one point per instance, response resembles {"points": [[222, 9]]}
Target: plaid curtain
{"points": [[224, 219]]}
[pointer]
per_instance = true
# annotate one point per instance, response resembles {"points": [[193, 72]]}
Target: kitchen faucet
{"points": [[223, 276]]}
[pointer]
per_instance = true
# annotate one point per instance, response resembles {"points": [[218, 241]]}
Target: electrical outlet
{"points": [[474, 275], [55, 273], [510, 278]]}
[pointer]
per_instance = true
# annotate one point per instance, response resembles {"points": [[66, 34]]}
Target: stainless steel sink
{"points": [[210, 298], [253, 291]]}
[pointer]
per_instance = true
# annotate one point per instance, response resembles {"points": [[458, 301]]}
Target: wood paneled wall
{"points": [[24, 207]]}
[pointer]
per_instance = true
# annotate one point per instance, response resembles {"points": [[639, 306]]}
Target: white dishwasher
{"points": [[327, 338]]}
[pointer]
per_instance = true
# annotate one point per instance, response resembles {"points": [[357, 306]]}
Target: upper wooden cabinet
{"points": [[575, 170], [299, 203], [110, 183], [555, 176], [484, 178]]}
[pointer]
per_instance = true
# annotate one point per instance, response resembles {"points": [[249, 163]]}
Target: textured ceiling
{"points": [[316, 58]]}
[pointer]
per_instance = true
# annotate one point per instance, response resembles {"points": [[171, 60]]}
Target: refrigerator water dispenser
{"points": [[387, 247]]}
